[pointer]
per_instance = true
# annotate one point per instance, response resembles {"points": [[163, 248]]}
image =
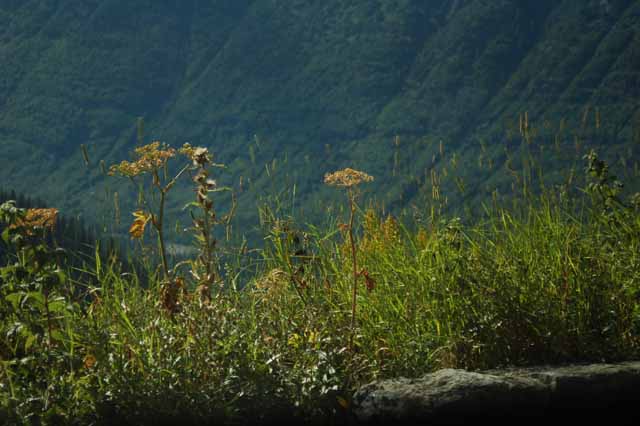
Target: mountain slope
{"points": [[283, 91]]}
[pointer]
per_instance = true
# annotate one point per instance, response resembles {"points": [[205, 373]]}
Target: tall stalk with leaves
{"points": [[151, 159], [350, 179], [205, 267], [36, 275]]}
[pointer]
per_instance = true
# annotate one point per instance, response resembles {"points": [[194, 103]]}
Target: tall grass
{"points": [[553, 278]]}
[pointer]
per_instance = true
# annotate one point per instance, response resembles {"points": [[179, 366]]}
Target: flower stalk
{"points": [[349, 179]]}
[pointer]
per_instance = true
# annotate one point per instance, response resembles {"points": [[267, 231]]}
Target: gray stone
{"points": [[452, 396]]}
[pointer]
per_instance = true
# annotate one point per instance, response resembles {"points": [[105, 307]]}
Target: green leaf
{"points": [[58, 305], [36, 296], [15, 329], [62, 277], [31, 339], [127, 322], [14, 299], [57, 335]]}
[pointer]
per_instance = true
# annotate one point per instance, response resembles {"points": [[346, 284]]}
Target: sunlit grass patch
{"points": [[554, 278]]}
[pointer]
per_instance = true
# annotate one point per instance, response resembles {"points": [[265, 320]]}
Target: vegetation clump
{"points": [[349, 179], [554, 278]]}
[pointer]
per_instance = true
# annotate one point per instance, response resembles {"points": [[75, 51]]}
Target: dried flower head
{"points": [[369, 282], [347, 178], [199, 155], [149, 157], [171, 294], [187, 150], [37, 219]]}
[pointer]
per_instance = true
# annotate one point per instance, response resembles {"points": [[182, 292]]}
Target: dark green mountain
{"points": [[286, 90]]}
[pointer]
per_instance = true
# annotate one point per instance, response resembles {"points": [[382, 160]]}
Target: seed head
{"points": [[37, 219], [150, 157], [346, 178], [199, 155]]}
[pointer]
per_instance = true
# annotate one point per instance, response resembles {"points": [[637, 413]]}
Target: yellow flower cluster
{"points": [[150, 157], [187, 150], [346, 178], [37, 218]]}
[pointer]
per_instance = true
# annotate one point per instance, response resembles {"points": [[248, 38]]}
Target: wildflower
{"points": [[199, 155], [346, 178], [42, 218], [150, 157], [37, 218], [187, 150]]}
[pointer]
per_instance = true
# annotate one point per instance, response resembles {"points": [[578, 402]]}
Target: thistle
{"points": [[204, 268]]}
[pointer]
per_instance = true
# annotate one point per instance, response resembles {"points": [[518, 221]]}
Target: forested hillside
{"points": [[284, 91]]}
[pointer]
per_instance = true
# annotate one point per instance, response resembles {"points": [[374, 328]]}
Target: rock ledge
{"points": [[583, 392]]}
